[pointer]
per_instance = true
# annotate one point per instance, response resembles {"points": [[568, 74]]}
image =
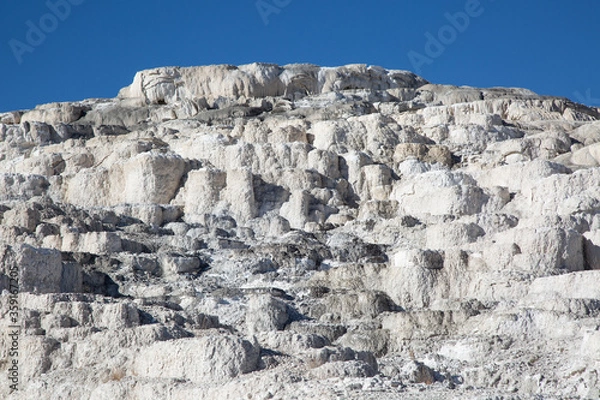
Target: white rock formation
{"points": [[281, 232]]}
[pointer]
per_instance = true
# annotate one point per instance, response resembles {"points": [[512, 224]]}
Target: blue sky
{"points": [[95, 48]]}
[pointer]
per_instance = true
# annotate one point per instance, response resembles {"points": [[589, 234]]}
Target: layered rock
{"points": [[299, 231]]}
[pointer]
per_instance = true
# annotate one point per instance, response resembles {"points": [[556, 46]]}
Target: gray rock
{"points": [[34, 270], [266, 313], [205, 359]]}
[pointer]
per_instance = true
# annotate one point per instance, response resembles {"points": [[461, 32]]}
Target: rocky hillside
{"points": [[297, 232]]}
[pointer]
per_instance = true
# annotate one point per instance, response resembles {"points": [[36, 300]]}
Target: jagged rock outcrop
{"points": [[300, 232]]}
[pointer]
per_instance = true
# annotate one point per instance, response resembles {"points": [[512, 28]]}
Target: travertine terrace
{"points": [[298, 232]]}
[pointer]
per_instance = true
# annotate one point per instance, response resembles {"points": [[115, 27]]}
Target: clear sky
{"points": [[49, 52]]}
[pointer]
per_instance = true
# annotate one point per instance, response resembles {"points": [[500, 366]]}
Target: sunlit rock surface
{"points": [[294, 232]]}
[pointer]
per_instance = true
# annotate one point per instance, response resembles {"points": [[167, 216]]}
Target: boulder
{"points": [[202, 360], [32, 269], [266, 313]]}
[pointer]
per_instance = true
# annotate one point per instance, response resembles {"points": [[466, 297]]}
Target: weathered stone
{"points": [[298, 231], [55, 113], [33, 270], [265, 314], [92, 242], [22, 216], [205, 359], [427, 153], [21, 187], [145, 178], [173, 265]]}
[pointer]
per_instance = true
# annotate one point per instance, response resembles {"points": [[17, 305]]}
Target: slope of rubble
{"points": [[268, 232]]}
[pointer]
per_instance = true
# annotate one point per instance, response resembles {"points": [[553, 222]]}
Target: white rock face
{"points": [[299, 231], [198, 360], [258, 81]]}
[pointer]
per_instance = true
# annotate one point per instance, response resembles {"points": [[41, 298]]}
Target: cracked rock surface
{"points": [[294, 232]]}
